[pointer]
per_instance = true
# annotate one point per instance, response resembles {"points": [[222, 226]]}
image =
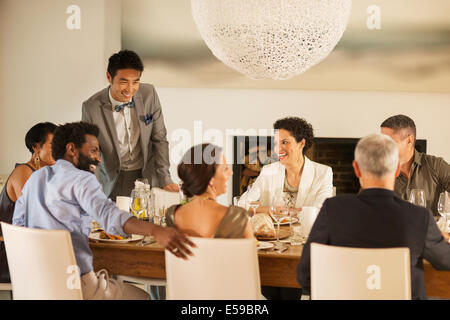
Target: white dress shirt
{"points": [[128, 133]]}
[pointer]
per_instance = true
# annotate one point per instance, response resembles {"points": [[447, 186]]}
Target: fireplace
{"points": [[253, 152]]}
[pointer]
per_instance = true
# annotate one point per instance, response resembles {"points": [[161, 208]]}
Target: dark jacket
{"points": [[377, 218]]}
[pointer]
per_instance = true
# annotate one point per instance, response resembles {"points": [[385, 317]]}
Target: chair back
{"points": [[343, 273], [221, 269], [42, 264]]}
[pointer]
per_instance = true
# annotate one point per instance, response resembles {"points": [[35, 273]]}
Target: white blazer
{"points": [[316, 185]]}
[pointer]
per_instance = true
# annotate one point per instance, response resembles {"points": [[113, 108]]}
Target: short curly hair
{"points": [[71, 132], [299, 128], [124, 59]]}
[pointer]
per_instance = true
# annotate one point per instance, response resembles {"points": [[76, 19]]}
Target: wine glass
{"points": [[254, 205], [277, 214], [417, 197]]}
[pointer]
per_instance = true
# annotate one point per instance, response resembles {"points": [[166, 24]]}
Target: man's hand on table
{"points": [[174, 241], [169, 238]]}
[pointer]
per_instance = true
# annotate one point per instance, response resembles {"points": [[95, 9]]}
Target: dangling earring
{"points": [[37, 162]]}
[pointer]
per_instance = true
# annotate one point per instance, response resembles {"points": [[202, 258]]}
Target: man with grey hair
{"points": [[417, 170], [377, 217]]}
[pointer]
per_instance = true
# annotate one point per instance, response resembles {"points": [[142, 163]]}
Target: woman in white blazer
{"points": [[297, 180], [300, 181]]}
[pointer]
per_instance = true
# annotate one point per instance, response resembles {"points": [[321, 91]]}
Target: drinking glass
{"points": [[138, 205], [143, 180], [276, 217], [297, 237], [443, 208], [277, 214], [236, 200], [417, 197], [254, 205], [159, 212]]}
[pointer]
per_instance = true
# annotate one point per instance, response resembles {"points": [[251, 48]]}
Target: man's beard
{"points": [[84, 163]]}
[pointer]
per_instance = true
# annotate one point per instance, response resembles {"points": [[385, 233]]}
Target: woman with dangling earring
{"points": [[204, 174], [38, 140]]}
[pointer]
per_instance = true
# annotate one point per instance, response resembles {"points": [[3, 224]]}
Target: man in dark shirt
{"points": [[417, 170], [377, 218]]}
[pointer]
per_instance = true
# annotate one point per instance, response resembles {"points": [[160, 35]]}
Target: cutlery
{"points": [[145, 242], [283, 249]]}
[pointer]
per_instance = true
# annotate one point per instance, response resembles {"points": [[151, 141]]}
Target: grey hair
{"points": [[377, 154]]}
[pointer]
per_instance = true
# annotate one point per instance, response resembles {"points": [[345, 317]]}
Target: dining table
{"points": [[278, 269]]}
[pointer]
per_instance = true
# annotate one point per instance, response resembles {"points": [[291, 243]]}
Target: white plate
{"points": [[264, 245], [134, 237], [294, 220]]}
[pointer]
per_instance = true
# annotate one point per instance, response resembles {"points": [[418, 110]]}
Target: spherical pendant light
{"points": [[272, 39]]}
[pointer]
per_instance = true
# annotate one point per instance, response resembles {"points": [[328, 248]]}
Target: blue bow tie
{"points": [[120, 107]]}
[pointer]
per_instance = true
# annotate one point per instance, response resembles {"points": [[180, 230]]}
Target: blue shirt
{"points": [[63, 197]]}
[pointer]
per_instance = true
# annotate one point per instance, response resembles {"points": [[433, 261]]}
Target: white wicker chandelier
{"points": [[275, 39]]}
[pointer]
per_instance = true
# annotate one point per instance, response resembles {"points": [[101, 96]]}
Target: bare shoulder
{"points": [[21, 172], [17, 180]]}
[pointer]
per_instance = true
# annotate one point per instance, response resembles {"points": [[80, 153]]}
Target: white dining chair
{"points": [[343, 273], [221, 269], [42, 264]]}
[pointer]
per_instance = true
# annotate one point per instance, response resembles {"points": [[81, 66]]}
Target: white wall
{"points": [[332, 113], [47, 70]]}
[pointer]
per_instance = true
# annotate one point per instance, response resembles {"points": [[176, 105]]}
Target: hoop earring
{"points": [[37, 162]]}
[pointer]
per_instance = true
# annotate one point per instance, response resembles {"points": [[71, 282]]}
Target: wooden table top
{"points": [[276, 269]]}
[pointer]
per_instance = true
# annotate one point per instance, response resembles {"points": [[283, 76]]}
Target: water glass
{"points": [[417, 197], [443, 208], [297, 237]]}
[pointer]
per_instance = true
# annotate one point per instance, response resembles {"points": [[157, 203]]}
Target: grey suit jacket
{"points": [[155, 147]]}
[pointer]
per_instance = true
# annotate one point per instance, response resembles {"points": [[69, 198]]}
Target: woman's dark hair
{"points": [[124, 59], [299, 128], [38, 134], [74, 132], [197, 168]]}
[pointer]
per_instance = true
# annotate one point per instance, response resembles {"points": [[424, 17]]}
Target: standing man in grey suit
{"points": [[132, 138]]}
